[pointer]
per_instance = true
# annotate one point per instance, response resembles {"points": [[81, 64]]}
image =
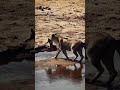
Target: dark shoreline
{"points": [[27, 84]]}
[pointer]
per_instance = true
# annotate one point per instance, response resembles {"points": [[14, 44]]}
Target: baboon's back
{"points": [[98, 43]]}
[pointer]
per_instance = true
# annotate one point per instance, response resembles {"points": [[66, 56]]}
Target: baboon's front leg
{"points": [[96, 63], [109, 64], [58, 53], [75, 67]]}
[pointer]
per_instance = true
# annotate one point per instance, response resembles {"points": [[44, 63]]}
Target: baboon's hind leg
{"points": [[118, 50], [97, 64], [81, 54], [76, 54], [109, 64]]}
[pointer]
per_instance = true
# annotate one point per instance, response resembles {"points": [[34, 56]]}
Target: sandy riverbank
{"points": [[65, 18]]}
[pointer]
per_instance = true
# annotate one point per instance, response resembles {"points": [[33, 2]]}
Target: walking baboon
{"points": [[101, 46], [63, 45]]}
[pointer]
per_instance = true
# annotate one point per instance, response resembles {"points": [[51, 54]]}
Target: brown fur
{"points": [[63, 45], [101, 47]]}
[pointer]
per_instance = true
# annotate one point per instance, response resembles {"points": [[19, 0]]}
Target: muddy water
{"points": [[61, 78]]}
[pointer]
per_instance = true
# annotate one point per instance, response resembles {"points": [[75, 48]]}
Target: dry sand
{"points": [[103, 15], [16, 22], [66, 17]]}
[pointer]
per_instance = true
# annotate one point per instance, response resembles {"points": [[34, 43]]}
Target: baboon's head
{"points": [[55, 37]]}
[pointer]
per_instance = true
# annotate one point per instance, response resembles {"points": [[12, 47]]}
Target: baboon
{"points": [[63, 45], [100, 47]]}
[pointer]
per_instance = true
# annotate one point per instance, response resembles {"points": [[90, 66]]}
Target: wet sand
{"points": [[52, 63]]}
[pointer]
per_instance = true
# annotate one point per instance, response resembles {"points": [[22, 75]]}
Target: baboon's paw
{"points": [[106, 84], [89, 81], [54, 57], [80, 61], [92, 81]]}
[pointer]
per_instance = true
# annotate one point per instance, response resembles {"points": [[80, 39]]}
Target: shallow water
{"points": [[17, 71], [47, 55], [71, 77]]}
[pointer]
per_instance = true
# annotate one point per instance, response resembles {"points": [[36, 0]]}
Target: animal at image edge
{"points": [[100, 47], [63, 45]]}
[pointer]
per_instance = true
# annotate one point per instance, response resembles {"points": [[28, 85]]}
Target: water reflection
{"points": [[60, 77], [58, 74], [73, 72]]}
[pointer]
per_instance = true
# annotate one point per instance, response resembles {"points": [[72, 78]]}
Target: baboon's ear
{"points": [[49, 40]]}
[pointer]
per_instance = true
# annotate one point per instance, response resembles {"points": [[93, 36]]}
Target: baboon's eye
{"points": [[55, 34]]}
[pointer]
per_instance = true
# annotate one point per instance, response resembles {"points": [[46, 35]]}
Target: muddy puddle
{"points": [[62, 75]]}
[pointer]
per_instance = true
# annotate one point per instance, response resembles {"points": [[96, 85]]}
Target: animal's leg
{"points": [[75, 67], [57, 53], [81, 54], [86, 55], [75, 52], [118, 50], [117, 44], [65, 53], [109, 64], [96, 63]]}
